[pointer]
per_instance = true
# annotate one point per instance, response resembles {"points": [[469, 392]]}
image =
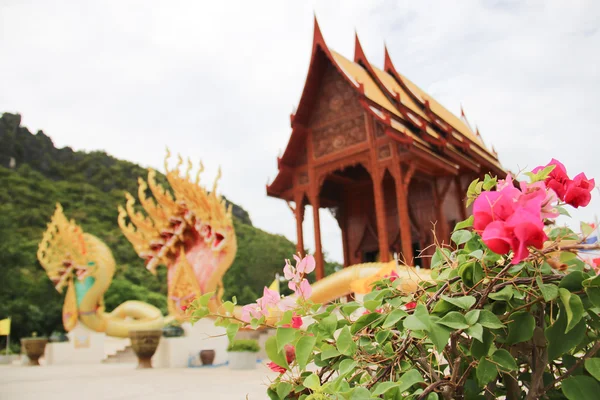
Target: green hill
{"points": [[35, 175]]}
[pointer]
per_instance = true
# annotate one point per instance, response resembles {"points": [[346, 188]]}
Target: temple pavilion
{"points": [[390, 162]]}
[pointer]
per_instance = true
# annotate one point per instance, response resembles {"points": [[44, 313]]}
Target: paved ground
{"points": [[123, 381]]}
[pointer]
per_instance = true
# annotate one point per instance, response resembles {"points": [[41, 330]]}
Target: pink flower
{"points": [[250, 311], [288, 271], [393, 276], [183, 308], [290, 355], [303, 289], [578, 193], [270, 299], [411, 305], [596, 262], [377, 310], [306, 265], [276, 368], [558, 179], [296, 322], [512, 219]]}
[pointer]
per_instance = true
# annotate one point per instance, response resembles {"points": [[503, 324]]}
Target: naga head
{"points": [[71, 259], [189, 231]]}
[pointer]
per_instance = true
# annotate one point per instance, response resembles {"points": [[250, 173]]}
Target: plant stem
{"points": [[568, 372]]}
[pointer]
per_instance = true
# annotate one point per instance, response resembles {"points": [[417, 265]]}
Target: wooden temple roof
{"points": [[409, 114]]}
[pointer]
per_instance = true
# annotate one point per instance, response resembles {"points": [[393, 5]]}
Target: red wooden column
{"points": [[402, 181], [440, 198], [382, 233], [460, 195], [320, 267], [299, 213]]}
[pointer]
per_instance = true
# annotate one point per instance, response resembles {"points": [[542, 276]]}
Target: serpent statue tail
{"points": [[85, 266]]}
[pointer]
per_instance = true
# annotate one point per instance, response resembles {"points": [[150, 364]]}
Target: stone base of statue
{"points": [[34, 348], [144, 344]]}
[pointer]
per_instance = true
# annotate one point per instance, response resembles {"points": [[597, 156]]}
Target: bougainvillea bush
{"points": [[512, 311]]}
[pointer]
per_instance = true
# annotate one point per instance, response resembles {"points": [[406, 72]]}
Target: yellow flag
{"points": [[275, 285], [5, 327]]}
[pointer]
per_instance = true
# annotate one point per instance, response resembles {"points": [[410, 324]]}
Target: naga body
{"points": [[190, 231]]}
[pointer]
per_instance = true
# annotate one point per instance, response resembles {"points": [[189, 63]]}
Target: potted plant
{"points": [[34, 348], [58, 337], [7, 356], [173, 329], [144, 344], [242, 354], [207, 356]]}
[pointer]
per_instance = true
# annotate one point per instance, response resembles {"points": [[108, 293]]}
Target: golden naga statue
{"points": [[191, 233], [85, 266]]}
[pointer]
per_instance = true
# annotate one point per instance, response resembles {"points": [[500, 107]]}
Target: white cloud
{"points": [[218, 80]]}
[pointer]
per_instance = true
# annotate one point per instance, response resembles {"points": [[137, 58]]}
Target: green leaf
{"points": [[461, 237], [304, 349], [549, 291], [200, 313], [476, 331], [592, 282], [364, 320], [486, 371], [521, 327], [572, 306], [285, 336], [505, 294], [286, 319], [274, 355], [574, 281], [467, 223], [489, 320], [594, 295], [384, 387], [232, 330], [328, 325], [283, 389], [360, 393], [586, 229], [482, 349], [439, 336], [346, 366], [349, 308], [371, 305], [205, 298], [541, 174], [592, 365], [472, 316], [478, 254], [558, 341], [328, 351], [345, 344], [454, 320], [464, 302], [580, 387], [229, 307], [439, 257], [382, 336], [503, 358], [408, 379], [393, 318], [312, 382]]}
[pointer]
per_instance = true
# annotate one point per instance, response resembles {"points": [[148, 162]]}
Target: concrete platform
{"points": [[123, 381]]}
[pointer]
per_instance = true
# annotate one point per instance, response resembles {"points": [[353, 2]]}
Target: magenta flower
{"points": [[557, 179], [578, 193]]}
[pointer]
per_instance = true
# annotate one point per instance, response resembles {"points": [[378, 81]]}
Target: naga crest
{"points": [[189, 231], [70, 258]]}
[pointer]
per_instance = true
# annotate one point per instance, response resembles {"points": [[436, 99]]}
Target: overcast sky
{"points": [[218, 80]]}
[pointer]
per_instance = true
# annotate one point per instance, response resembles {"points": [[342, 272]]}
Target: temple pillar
{"points": [[320, 267], [382, 233], [442, 224], [460, 195], [299, 214], [403, 216]]}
